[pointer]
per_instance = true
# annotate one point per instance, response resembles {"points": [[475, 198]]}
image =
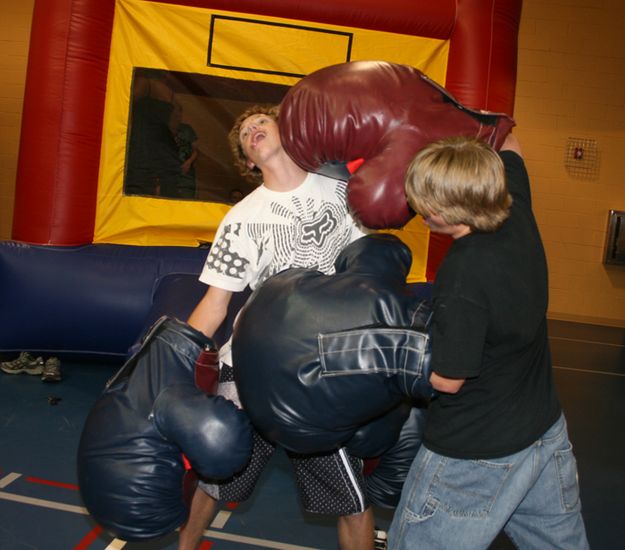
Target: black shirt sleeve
{"points": [[517, 178]]}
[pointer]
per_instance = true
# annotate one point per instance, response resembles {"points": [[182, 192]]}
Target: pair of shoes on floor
{"points": [[379, 540], [50, 370]]}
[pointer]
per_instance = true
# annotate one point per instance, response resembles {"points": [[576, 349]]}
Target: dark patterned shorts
{"points": [[328, 483]]}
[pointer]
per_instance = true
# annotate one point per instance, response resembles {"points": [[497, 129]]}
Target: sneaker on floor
{"points": [[51, 370], [379, 541], [24, 363]]}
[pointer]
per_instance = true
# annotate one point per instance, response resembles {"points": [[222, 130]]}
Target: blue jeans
{"points": [[532, 495]]}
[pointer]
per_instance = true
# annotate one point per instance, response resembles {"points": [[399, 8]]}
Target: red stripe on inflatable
{"points": [[52, 483], [414, 17], [483, 54], [89, 538], [481, 72], [57, 171], [438, 247]]}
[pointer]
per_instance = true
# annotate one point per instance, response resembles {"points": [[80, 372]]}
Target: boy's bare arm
{"points": [[444, 384], [211, 310], [511, 143]]}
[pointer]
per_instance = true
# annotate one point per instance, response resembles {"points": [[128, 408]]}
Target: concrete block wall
{"points": [[14, 39], [571, 84]]}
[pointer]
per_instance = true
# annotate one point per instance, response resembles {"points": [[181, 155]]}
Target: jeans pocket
{"points": [[468, 488], [566, 466]]}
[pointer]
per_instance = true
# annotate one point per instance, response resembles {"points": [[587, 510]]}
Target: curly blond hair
{"points": [[240, 160]]}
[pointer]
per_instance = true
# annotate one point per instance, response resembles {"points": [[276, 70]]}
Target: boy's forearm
{"points": [[444, 384], [210, 312]]}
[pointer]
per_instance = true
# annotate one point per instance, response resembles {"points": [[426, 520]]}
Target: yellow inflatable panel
{"points": [[241, 49]]}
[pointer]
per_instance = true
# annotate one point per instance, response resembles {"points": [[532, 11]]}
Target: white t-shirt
{"points": [[270, 231]]}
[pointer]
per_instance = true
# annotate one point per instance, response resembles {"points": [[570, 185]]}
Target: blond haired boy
{"points": [[496, 453]]}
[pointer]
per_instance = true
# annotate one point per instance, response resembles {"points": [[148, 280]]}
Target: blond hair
{"points": [[461, 179], [240, 160]]}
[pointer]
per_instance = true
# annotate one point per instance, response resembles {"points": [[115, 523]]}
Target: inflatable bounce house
{"points": [[124, 170]]}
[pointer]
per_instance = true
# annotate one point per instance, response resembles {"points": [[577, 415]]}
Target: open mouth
{"points": [[257, 138]]}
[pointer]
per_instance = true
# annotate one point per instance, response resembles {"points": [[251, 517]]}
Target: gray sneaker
{"points": [[24, 363], [51, 370]]}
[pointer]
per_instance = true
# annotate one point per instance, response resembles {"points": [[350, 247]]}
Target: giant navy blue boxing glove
{"points": [[385, 483], [377, 436], [319, 356], [130, 466], [383, 113]]}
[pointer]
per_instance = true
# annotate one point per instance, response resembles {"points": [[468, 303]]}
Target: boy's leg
{"points": [[460, 504], [356, 531], [333, 484], [203, 508], [236, 489], [549, 517], [463, 504]]}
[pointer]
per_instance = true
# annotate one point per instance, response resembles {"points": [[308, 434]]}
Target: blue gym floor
{"points": [[40, 506]]}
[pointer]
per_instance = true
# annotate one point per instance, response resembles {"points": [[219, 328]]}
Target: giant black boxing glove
{"points": [[383, 113], [385, 483], [130, 466], [318, 356], [380, 434]]}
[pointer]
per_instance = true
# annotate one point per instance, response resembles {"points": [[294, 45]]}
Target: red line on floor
{"points": [[205, 545], [89, 538], [53, 483]]}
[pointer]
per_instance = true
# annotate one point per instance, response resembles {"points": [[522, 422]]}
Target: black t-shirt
{"points": [[489, 327]]}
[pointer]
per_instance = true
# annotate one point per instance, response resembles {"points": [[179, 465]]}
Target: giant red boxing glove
{"points": [[381, 112]]}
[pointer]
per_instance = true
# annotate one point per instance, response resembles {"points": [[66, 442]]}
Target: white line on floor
{"points": [[117, 544], [8, 479], [255, 542], [44, 503], [221, 519]]}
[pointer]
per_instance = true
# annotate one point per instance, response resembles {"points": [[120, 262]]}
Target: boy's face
{"points": [[437, 224], [260, 138]]}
